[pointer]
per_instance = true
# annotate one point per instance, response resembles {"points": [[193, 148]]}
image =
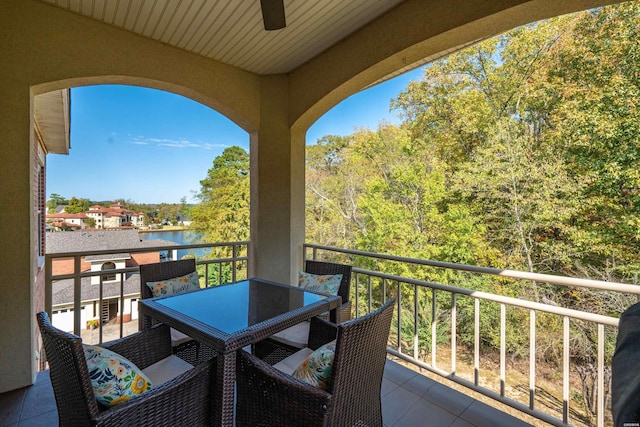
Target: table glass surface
{"points": [[231, 308]]}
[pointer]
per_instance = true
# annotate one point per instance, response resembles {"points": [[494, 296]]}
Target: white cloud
{"points": [[181, 143]]}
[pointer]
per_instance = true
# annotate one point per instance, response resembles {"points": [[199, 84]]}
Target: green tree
{"points": [[54, 201], [76, 205], [333, 181], [223, 212], [597, 117]]}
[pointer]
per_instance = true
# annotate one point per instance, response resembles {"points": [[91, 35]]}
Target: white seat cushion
{"points": [[292, 362], [166, 369], [178, 337], [296, 336]]}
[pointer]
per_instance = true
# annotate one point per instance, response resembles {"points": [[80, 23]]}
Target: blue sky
{"points": [[149, 146]]}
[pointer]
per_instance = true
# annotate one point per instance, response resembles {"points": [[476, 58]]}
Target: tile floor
{"points": [[408, 399]]}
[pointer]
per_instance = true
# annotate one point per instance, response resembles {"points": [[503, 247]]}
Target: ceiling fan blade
{"points": [[273, 14]]}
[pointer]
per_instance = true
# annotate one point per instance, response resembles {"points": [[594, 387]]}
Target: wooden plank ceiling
{"points": [[231, 31]]}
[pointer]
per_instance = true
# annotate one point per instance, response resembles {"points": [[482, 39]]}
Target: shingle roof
{"points": [[63, 289], [81, 215], [96, 240]]}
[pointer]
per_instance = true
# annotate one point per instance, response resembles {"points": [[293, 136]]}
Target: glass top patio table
{"points": [[230, 317]]}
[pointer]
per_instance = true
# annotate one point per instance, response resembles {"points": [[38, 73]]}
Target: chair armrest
{"points": [[184, 400], [266, 396], [144, 348], [321, 332], [344, 312]]}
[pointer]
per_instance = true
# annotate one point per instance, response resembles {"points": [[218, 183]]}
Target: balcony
{"points": [[439, 364], [408, 398]]}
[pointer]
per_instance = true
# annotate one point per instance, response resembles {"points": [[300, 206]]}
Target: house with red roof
{"points": [[114, 216]]}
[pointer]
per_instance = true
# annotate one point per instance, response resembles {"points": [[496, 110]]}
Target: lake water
{"points": [[181, 237]]}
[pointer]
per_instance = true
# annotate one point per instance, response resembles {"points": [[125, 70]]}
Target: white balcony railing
{"points": [[419, 337]]}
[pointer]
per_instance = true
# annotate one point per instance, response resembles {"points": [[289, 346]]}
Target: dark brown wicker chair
{"points": [[184, 400], [294, 338], [189, 350], [269, 397], [324, 268]]}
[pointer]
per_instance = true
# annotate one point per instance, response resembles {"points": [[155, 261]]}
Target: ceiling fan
{"points": [[273, 14]]}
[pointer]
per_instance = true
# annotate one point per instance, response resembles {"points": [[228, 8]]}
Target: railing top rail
{"points": [[143, 249], [523, 275], [576, 314]]}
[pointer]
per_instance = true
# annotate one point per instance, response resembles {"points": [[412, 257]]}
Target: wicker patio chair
{"points": [[267, 396], [183, 346], [324, 268], [294, 338], [183, 400]]}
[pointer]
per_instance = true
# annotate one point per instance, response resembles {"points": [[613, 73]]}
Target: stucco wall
{"points": [[43, 49]]}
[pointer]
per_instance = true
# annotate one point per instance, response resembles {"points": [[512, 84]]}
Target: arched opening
{"points": [[137, 159], [108, 266]]}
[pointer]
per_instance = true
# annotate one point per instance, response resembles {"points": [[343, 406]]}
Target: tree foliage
{"points": [[519, 152], [223, 212]]}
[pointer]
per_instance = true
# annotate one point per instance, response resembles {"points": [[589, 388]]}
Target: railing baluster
{"points": [[600, 402], [100, 300], [370, 293], [48, 288], [532, 359], [565, 369], [454, 323], [399, 304], [415, 322], [121, 305], [476, 341], [503, 345], [357, 284], [233, 265], [434, 330], [77, 294], [206, 275]]}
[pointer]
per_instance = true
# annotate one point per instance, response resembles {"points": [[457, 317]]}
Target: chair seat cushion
{"points": [[178, 337], [296, 336], [166, 369], [114, 378], [292, 362]]}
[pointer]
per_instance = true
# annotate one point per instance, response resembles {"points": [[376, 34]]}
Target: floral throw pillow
{"points": [[316, 369], [328, 284], [176, 285], [114, 378]]}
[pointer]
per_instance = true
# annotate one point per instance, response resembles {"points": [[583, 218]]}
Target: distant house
{"points": [[95, 240], [115, 216], [65, 221]]}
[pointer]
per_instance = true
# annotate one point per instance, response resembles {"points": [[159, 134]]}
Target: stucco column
{"points": [[17, 364], [277, 188]]}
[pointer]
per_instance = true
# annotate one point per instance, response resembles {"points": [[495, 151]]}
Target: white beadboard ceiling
{"points": [[231, 31]]}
